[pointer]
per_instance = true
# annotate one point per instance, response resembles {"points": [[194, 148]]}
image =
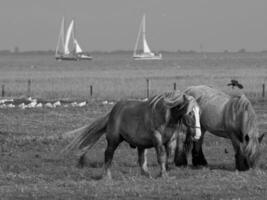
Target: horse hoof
{"points": [[197, 162], [170, 167], [180, 160], [146, 174], [199, 166], [163, 176], [107, 178], [242, 168], [81, 162], [80, 165], [166, 177], [180, 164]]}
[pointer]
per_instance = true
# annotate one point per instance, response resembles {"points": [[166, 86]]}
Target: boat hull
{"points": [[147, 57], [89, 58], [84, 57], [73, 57], [70, 58]]}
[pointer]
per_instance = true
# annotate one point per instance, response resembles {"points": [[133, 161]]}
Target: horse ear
{"points": [[173, 99], [261, 137], [185, 98], [188, 101]]}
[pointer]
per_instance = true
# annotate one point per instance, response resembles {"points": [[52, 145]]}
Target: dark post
{"points": [[174, 86], [263, 90], [3, 90], [91, 90], [29, 87], [147, 87]]}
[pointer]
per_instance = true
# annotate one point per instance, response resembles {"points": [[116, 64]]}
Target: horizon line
{"points": [[242, 50]]}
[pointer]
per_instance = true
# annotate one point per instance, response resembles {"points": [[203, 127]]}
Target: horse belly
{"points": [[212, 121], [219, 133], [138, 139]]}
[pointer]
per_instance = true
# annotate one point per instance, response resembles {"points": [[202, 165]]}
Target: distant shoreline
{"points": [[51, 52]]}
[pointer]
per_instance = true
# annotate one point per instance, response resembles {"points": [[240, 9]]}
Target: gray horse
{"points": [[231, 117], [142, 124]]}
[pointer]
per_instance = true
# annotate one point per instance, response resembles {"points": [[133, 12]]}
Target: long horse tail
{"points": [[87, 136]]}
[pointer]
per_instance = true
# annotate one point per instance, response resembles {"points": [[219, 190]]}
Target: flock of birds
{"points": [[30, 102]]}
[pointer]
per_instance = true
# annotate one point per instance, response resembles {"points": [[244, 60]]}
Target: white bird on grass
{"points": [[39, 105], [57, 104], [49, 105], [22, 106], [82, 104]]}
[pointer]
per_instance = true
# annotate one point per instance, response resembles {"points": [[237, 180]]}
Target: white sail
{"points": [[68, 48], [60, 42], [63, 33], [137, 40], [146, 53], [146, 48], [68, 35], [78, 48]]}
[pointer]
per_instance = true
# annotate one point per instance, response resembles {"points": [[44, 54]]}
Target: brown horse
{"points": [[225, 116], [153, 123]]}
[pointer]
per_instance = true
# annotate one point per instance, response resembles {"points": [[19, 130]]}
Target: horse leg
{"points": [[180, 156], [161, 153], [169, 154], [241, 162], [142, 161], [81, 161], [198, 158], [170, 150], [112, 145]]}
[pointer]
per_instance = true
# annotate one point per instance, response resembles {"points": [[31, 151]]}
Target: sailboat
{"points": [[68, 48], [146, 53]]}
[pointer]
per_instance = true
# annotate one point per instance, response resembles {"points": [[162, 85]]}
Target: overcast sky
{"points": [[216, 25]]}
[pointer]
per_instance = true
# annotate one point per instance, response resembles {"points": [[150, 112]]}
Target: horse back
{"points": [[239, 114], [135, 122], [132, 116], [212, 104]]}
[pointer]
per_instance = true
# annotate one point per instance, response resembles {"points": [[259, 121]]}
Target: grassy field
{"points": [[118, 76], [31, 167], [31, 139]]}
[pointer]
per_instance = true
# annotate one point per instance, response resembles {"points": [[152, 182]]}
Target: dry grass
{"points": [[31, 139], [120, 77], [31, 167]]}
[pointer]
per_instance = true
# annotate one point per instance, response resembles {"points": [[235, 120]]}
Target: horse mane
{"points": [[238, 105], [173, 97], [205, 93], [240, 111], [153, 101], [158, 104]]}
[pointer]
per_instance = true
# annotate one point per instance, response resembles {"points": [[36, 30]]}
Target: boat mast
{"points": [[144, 29], [63, 32], [146, 48], [138, 36], [73, 37], [60, 37]]}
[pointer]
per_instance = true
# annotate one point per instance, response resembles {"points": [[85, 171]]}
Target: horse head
{"points": [[248, 132], [185, 108]]}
